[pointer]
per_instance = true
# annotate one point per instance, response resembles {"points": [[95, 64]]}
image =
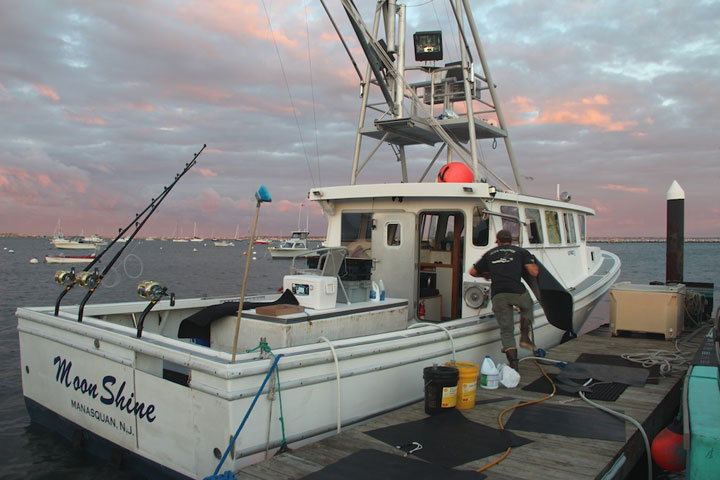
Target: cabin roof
{"points": [[435, 190]]}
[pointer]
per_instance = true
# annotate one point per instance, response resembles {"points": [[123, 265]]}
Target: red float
{"points": [[667, 448], [455, 172]]}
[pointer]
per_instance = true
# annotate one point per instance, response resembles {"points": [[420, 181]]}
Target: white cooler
{"points": [[312, 291]]}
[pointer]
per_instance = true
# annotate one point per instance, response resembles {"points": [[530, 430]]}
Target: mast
{"points": [[417, 102], [493, 94]]}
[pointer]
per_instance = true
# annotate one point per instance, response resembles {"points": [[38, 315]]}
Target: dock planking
{"points": [[559, 457]]}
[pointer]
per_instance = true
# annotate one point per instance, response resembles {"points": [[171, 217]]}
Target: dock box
{"points": [[647, 308], [312, 291]]}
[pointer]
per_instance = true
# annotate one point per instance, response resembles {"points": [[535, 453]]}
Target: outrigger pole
{"points": [[92, 280]]}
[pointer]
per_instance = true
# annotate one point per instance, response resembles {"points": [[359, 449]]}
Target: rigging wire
{"points": [[287, 86], [312, 94]]}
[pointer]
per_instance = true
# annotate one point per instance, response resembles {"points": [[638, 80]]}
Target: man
{"points": [[503, 266]]}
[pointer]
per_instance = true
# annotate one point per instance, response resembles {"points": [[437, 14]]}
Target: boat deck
{"points": [[558, 456]]}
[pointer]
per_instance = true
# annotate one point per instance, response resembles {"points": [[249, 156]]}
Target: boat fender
{"points": [[667, 448], [455, 172]]}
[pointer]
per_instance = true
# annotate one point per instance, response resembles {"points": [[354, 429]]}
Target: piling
{"points": [[675, 234]]}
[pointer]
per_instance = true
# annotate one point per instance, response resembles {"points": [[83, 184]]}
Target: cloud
{"points": [[588, 111], [46, 91], [622, 188], [82, 118], [206, 172]]}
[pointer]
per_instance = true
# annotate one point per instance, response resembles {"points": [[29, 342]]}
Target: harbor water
{"points": [[190, 270]]}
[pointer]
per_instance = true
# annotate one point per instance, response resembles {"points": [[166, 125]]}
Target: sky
{"points": [[102, 103]]}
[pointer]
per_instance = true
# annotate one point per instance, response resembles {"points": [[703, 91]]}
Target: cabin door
{"points": [[394, 256]]}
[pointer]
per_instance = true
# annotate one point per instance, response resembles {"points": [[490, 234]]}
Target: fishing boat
{"points": [[184, 387], [69, 258], [295, 246], [74, 243], [223, 243]]}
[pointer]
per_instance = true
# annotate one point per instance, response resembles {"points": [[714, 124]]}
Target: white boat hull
{"points": [[287, 252], [106, 370], [68, 259]]}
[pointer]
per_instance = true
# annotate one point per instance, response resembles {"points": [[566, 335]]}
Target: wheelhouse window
{"points": [[569, 223], [552, 221], [438, 230], [511, 224], [581, 226], [481, 228], [534, 225], [356, 233], [393, 234]]}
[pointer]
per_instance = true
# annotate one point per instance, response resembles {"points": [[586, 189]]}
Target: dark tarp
{"points": [[197, 325], [569, 421], [448, 439], [556, 302], [368, 463]]}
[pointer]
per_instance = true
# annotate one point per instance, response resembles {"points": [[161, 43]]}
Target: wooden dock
{"points": [[548, 455]]}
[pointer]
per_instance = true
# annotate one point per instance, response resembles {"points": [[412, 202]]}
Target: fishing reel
{"points": [[88, 279], [150, 290], [65, 277], [153, 291]]}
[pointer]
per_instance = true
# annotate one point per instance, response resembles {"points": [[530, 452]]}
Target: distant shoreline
{"points": [[590, 239]]}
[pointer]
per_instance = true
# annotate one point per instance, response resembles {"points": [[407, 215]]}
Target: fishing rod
{"points": [[91, 280]]}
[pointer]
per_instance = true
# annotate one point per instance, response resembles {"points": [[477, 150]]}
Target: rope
{"points": [[524, 404], [425, 324], [694, 306], [667, 360], [265, 350], [215, 476], [337, 376], [629, 419]]}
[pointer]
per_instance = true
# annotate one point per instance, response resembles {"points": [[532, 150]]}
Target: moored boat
{"points": [[69, 258], [296, 245], [223, 243], [173, 390], [75, 243]]}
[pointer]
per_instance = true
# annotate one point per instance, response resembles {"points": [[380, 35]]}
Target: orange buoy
{"points": [[455, 172], [667, 448]]}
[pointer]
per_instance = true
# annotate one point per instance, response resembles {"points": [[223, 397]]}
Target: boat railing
{"points": [[329, 263]]}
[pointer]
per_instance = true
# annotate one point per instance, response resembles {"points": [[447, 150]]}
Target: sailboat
{"points": [[173, 395], [195, 237]]}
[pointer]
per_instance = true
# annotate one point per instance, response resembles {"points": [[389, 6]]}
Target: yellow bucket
{"points": [[467, 384]]}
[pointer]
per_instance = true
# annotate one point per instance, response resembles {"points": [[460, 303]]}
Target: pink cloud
{"points": [[86, 119], [144, 107], [206, 172], [29, 188], [588, 111], [622, 188], [599, 207], [46, 91], [288, 206], [239, 19], [4, 95]]}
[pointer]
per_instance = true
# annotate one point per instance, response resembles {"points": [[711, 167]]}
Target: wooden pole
{"points": [[244, 282], [675, 239]]}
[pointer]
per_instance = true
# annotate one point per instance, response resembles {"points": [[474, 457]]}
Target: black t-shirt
{"points": [[505, 264]]}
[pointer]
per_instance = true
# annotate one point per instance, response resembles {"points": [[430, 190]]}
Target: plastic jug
{"points": [[375, 293], [489, 374]]}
